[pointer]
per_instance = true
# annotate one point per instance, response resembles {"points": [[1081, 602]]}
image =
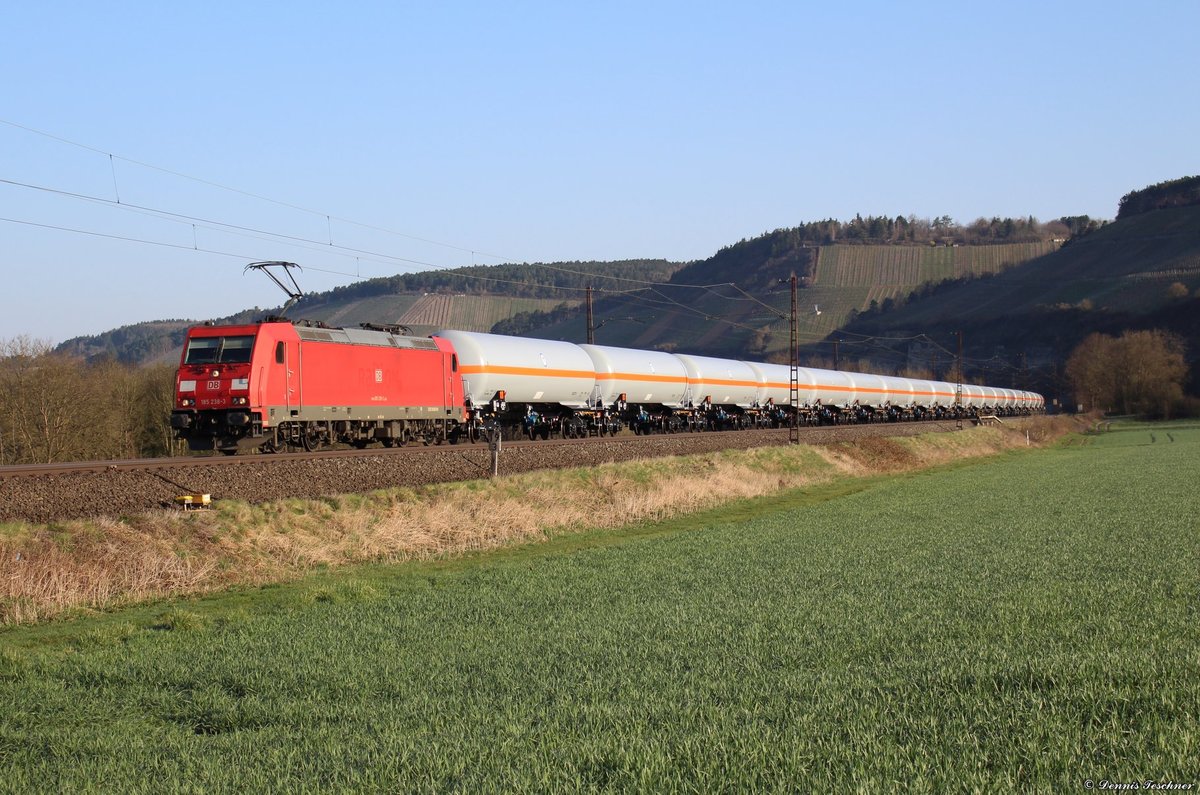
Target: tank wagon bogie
{"points": [[277, 384]]}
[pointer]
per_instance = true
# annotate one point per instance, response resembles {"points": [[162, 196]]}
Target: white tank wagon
{"points": [[644, 389], [526, 370], [943, 394], [639, 377], [544, 387], [546, 384], [540, 388], [720, 382], [911, 398], [774, 384], [973, 397]]}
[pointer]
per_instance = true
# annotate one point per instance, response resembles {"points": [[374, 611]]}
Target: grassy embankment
{"points": [[46, 570], [1024, 623]]}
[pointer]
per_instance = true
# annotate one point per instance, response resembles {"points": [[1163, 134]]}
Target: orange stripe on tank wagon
{"points": [[537, 372], [673, 379], [654, 379]]}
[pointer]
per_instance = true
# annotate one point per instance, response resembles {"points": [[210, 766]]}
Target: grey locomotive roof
{"points": [[354, 336]]}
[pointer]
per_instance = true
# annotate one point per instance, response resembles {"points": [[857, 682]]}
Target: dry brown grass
{"points": [[46, 570]]}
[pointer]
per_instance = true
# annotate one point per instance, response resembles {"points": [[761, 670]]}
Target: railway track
{"points": [[55, 492]]}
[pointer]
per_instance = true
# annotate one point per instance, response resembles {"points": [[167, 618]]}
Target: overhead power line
{"points": [[329, 217], [248, 194]]}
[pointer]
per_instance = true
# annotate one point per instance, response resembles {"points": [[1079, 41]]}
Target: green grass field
{"points": [[1025, 623]]}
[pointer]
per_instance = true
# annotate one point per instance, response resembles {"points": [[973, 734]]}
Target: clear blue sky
{"points": [[544, 131]]}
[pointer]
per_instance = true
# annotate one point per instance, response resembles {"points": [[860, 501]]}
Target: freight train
{"points": [[281, 384]]}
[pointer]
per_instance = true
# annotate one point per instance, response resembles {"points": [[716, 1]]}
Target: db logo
{"points": [[213, 385]]}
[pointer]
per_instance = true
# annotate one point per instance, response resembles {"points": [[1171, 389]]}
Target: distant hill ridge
{"points": [[1184, 192]]}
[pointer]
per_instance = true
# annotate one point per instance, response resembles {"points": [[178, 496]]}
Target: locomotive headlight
{"points": [[186, 402], [216, 373], [240, 401]]}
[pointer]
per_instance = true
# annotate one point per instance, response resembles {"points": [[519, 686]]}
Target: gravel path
{"points": [[51, 498]]}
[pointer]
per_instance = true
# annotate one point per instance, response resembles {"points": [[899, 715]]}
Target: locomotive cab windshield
{"points": [[219, 350]]}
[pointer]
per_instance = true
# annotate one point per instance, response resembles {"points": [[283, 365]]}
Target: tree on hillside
{"points": [[1172, 193], [1139, 372]]}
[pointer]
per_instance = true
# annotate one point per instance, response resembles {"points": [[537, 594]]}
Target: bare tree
{"points": [[1138, 372], [41, 398]]}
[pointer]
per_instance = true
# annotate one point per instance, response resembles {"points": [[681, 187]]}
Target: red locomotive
{"points": [[279, 384]]}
